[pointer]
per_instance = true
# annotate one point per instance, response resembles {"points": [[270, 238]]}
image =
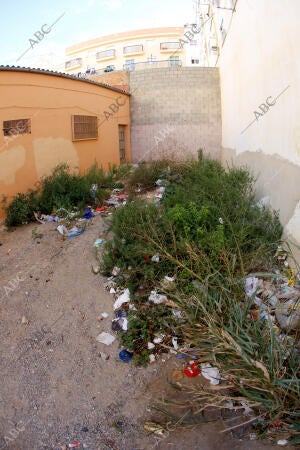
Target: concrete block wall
{"points": [[174, 112]]}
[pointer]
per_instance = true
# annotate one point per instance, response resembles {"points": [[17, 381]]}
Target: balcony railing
{"points": [[170, 46], [132, 49], [152, 64], [106, 54], [90, 73], [73, 63]]}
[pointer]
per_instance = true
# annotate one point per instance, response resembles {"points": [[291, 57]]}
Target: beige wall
{"points": [[150, 39], [260, 60], [50, 101], [174, 112]]}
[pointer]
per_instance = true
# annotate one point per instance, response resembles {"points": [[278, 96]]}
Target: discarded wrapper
{"points": [[124, 298], [191, 370], [211, 373], [157, 298], [105, 338]]}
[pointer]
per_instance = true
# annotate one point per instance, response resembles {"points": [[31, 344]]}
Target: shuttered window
{"points": [[15, 127], [84, 127]]}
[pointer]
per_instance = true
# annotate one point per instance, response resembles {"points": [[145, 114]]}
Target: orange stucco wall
{"points": [[50, 101], [118, 79]]}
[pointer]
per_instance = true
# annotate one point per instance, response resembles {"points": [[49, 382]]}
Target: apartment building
{"points": [[132, 50]]}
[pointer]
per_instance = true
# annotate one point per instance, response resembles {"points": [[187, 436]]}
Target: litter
{"points": [[122, 196], [112, 202], [62, 230], [287, 292], [158, 339], [152, 358], [177, 313], [104, 356], [70, 234], [100, 209], [155, 258], [125, 355], [74, 445], [282, 442], [157, 298], [115, 271], [74, 232], [247, 410], [211, 373], [288, 315], [124, 298], [253, 286], [150, 345], [191, 370], [120, 324], [44, 218], [104, 315], [160, 192], [110, 283], [98, 242], [93, 191], [105, 338], [88, 213], [175, 343]]}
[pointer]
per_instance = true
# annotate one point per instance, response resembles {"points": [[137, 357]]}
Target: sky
{"points": [[76, 21]]}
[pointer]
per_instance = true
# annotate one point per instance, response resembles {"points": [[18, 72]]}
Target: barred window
{"points": [[84, 127], [15, 127]]}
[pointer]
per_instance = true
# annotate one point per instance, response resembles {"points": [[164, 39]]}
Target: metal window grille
{"points": [[15, 127], [84, 127]]}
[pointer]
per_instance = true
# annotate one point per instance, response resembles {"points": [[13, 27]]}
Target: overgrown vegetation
{"points": [[63, 189], [207, 224], [208, 233]]}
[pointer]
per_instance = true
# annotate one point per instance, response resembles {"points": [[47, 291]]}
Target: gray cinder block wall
{"points": [[174, 112]]}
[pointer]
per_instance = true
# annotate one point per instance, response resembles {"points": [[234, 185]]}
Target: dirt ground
{"points": [[55, 389]]}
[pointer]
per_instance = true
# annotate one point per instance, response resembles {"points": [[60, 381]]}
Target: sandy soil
{"points": [[55, 389]]}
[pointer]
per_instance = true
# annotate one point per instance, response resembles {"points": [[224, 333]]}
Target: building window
{"points": [[152, 60], [111, 53], [170, 45], [195, 61], [84, 127], [73, 63], [174, 60], [14, 127], [132, 49], [129, 64]]}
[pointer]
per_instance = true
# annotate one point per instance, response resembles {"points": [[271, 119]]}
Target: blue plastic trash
{"points": [[125, 355]]}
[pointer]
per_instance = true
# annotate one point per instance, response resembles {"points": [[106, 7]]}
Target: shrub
{"points": [[63, 189], [20, 210]]}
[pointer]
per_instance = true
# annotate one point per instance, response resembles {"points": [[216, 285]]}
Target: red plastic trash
{"points": [[191, 370]]}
